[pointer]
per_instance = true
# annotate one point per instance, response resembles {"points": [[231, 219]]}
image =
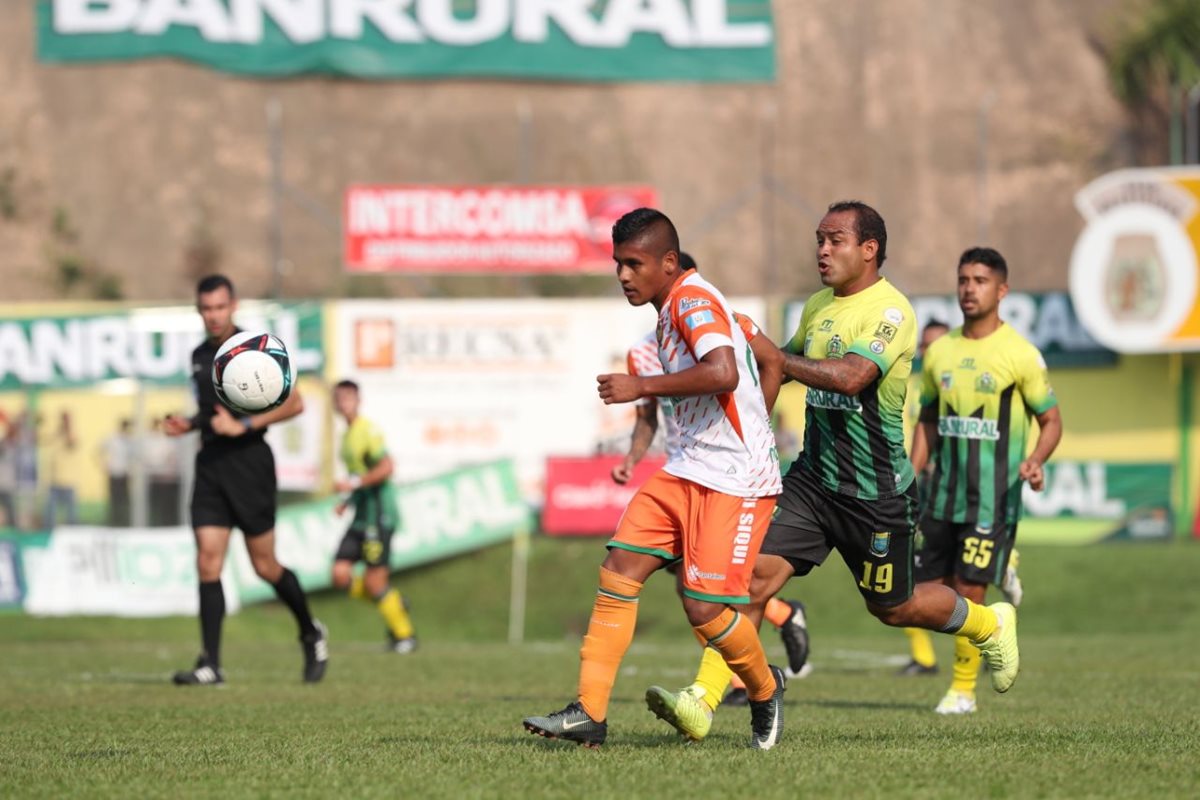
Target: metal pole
{"points": [[770, 272], [275, 225], [525, 282], [984, 224], [1192, 126], [520, 586], [139, 484]]}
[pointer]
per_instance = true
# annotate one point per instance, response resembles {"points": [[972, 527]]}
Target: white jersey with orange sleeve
{"points": [[642, 360], [726, 441]]}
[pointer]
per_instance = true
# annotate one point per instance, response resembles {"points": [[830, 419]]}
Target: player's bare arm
{"points": [[226, 424], [770, 368], [848, 375], [716, 373], [1049, 435], [644, 428], [925, 437], [175, 425], [375, 476]]}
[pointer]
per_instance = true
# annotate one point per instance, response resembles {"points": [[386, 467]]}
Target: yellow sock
{"points": [[713, 677], [981, 623], [966, 665], [614, 616], [777, 612], [921, 644], [391, 607], [737, 640], [358, 587]]}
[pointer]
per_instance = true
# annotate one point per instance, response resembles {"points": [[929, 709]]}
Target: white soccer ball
{"points": [[252, 372]]}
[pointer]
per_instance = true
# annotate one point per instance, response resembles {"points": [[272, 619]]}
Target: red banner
{"points": [[582, 498], [485, 228]]}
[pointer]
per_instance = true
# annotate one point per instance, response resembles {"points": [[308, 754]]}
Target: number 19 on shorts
{"points": [[876, 577]]}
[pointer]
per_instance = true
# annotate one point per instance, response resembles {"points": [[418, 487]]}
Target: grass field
{"points": [[1107, 704]]}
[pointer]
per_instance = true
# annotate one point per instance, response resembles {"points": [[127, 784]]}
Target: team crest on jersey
{"points": [[886, 331], [826, 325], [881, 542], [877, 346], [946, 381], [985, 384], [836, 347], [688, 303]]}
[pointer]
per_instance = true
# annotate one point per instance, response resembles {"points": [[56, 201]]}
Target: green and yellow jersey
{"points": [[855, 445], [363, 447], [986, 390]]}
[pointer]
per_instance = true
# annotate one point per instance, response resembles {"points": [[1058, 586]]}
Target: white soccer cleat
{"points": [[1011, 585], [956, 702]]}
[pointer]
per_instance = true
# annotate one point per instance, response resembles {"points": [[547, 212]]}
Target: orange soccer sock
{"points": [[610, 631], [777, 612], [734, 636]]}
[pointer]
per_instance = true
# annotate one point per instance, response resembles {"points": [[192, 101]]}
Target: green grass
{"points": [[1106, 706]]}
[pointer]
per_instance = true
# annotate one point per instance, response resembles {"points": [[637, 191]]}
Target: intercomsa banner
{"points": [[485, 228], [619, 40]]}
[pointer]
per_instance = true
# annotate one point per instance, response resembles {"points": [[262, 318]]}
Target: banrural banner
{"points": [[567, 40], [485, 228], [57, 350], [1088, 501], [86, 570], [1048, 320]]}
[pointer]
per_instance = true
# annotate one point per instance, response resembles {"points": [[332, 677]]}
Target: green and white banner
{"points": [[613, 40], [141, 573], [1090, 501]]}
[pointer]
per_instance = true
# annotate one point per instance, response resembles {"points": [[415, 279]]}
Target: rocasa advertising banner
{"points": [[583, 499], [1135, 268], [1085, 501], [59, 350], [485, 228], [152, 572], [1048, 320], [618, 40]]}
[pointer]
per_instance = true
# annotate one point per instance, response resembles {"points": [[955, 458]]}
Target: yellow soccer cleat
{"points": [[685, 710], [956, 702], [1000, 650]]}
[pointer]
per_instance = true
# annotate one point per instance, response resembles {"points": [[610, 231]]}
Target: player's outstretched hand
{"points": [[176, 426], [226, 424], [1031, 470], [622, 473], [619, 388]]}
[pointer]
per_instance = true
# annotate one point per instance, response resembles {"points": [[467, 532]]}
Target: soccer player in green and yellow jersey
{"points": [[370, 492], [980, 386], [853, 487]]}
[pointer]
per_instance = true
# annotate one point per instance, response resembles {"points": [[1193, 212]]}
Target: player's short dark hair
{"points": [[934, 322], [346, 384], [643, 222], [867, 225], [211, 283], [987, 256], [686, 261]]}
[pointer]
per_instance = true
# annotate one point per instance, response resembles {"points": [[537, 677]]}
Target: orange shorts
{"points": [[717, 535]]}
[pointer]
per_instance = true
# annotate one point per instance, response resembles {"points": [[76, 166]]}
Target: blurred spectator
{"points": [[8, 472], [62, 459], [161, 458], [23, 440], [117, 452]]}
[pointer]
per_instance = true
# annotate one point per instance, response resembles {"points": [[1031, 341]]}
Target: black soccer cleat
{"points": [[915, 669], [203, 674], [572, 724], [766, 716], [736, 697], [402, 646], [316, 653], [794, 634]]}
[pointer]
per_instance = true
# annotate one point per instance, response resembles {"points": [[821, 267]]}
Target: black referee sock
{"points": [[212, 613], [288, 590]]}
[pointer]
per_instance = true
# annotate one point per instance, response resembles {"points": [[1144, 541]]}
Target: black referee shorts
{"points": [[235, 488]]}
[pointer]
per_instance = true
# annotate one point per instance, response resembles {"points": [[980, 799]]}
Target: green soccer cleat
{"points": [[684, 710], [571, 723], [956, 702], [1000, 650]]}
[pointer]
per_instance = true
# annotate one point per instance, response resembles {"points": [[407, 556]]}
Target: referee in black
{"points": [[235, 486]]}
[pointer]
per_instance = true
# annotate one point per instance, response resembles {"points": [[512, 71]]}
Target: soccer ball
{"points": [[252, 372]]}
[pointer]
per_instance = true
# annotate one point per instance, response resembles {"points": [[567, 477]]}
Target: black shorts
{"points": [[874, 537], [235, 488], [973, 552], [372, 546]]}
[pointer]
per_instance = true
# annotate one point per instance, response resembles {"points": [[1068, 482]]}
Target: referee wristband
{"points": [[248, 423]]}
